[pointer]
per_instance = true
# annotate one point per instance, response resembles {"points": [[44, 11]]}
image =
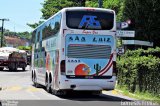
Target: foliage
{"points": [[144, 15], [141, 52], [140, 71], [24, 47], [116, 5], [51, 7], [35, 24], [23, 35], [92, 3], [145, 96]]}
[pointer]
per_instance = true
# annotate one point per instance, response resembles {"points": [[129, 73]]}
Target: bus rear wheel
{"points": [[1, 68], [48, 85], [35, 80]]}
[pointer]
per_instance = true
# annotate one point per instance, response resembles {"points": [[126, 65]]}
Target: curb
{"points": [[119, 91]]}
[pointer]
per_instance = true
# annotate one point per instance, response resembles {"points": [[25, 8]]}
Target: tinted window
{"points": [[51, 27], [90, 20], [38, 37], [33, 36]]}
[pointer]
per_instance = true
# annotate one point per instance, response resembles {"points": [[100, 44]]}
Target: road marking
{"points": [[14, 88], [32, 89], [18, 88], [114, 92]]}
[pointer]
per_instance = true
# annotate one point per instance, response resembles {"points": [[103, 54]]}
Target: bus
{"points": [[75, 50]]}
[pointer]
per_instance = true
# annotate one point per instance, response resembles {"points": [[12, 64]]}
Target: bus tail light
{"points": [[114, 69], [63, 67]]}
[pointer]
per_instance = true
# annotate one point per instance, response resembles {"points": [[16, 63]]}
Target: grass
{"points": [[139, 95]]}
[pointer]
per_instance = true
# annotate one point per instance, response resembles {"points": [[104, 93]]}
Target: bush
{"points": [[139, 70]]}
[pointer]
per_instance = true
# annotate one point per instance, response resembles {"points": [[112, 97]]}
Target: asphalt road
{"points": [[17, 87]]}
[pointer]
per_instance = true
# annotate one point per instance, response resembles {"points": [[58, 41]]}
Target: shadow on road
{"points": [[85, 97], [18, 70]]}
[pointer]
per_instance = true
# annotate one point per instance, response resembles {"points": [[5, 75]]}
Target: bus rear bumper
{"points": [[87, 84], [87, 88]]}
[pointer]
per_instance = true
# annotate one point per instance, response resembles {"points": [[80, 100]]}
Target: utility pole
{"points": [[2, 30], [100, 3]]}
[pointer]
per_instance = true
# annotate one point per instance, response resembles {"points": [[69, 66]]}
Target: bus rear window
{"points": [[91, 20]]}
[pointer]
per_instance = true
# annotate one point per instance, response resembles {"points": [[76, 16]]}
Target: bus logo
{"points": [[89, 22]]}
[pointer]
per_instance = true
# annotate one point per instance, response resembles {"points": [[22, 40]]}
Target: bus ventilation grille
{"points": [[89, 51]]}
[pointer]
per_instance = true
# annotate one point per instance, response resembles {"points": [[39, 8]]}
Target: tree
{"points": [[81, 2], [92, 3], [144, 15], [35, 24], [24, 48], [51, 7], [116, 5], [23, 35]]}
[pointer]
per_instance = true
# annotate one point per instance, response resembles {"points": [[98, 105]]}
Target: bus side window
{"points": [[33, 36]]}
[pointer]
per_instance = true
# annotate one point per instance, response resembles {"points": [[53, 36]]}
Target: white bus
{"points": [[75, 50]]}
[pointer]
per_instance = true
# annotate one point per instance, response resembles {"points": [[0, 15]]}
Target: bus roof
{"points": [[75, 8], [87, 8]]}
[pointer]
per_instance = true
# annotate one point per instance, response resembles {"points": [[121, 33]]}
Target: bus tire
{"points": [[32, 76], [48, 84], [35, 81], [1, 68], [23, 68]]}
